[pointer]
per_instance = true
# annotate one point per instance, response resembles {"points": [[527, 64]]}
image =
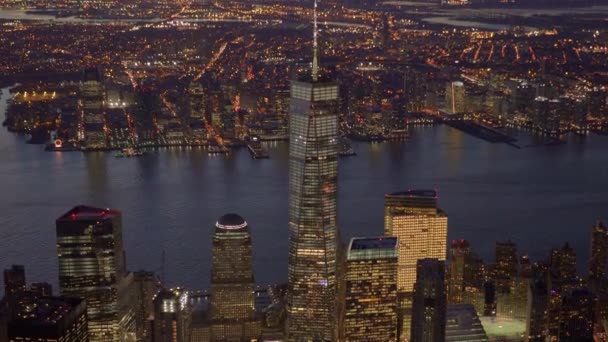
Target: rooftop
{"points": [[372, 248], [231, 221], [380, 242], [416, 193], [87, 213], [47, 310]]}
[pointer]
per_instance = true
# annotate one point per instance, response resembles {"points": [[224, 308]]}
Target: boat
{"points": [[128, 152], [256, 149]]}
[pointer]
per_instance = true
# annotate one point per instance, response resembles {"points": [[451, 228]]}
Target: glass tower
{"points": [[429, 302], [371, 290], [313, 171], [92, 266], [232, 283], [422, 229]]}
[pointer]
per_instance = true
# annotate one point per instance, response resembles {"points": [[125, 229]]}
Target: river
{"points": [[540, 197]]}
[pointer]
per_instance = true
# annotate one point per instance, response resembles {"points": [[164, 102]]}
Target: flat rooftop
{"points": [[48, 310], [380, 242], [415, 193], [87, 213]]}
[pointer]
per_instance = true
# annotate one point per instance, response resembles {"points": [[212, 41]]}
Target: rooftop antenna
{"points": [[315, 46]]}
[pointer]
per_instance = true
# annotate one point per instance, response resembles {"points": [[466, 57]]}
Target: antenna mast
{"points": [[315, 46]]}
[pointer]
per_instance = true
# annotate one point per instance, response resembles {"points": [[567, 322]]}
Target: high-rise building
{"points": [[598, 263], [370, 311], [197, 101], [430, 303], [576, 316], [92, 94], [511, 294], [458, 254], [538, 300], [466, 276], [505, 270], [463, 324], [49, 319], [196, 120], [14, 280], [563, 263], [422, 228], [92, 266], [232, 305], [313, 174], [172, 316], [455, 98], [145, 287]]}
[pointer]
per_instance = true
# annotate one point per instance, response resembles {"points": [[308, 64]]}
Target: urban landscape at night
{"points": [[304, 170]]}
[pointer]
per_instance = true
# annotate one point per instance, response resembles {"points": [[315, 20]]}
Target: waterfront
{"points": [[171, 198]]}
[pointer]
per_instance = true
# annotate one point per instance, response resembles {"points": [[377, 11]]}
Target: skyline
{"points": [[189, 222], [380, 113]]}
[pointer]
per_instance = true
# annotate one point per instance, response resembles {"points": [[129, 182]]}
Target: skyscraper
{"points": [[49, 319], [171, 316], [455, 97], [430, 303], [14, 280], [145, 287], [92, 266], [371, 289], [563, 264], [422, 229], [538, 300], [466, 276], [313, 174], [506, 265], [91, 103], [232, 284], [598, 263], [197, 128], [576, 316]]}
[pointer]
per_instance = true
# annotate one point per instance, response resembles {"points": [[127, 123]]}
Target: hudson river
{"points": [[540, 197]]}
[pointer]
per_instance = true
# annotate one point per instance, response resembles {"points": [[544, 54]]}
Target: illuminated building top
{"points": [[86, 213], [231, 221]]}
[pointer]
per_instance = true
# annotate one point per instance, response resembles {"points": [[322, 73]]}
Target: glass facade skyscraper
{"points": [[92, 266], [371, 290], [430, 302], [422, 229], [232, 284], [313, 172]]}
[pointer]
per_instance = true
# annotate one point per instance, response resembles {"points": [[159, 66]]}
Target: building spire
{"points": [[315, 46]]}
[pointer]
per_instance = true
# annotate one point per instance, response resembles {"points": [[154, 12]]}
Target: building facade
{"points": [[232, 305], [49, 319], [598, 263], [577, 316], [313, 174], [92, 266], [14, 280], [370, 311], [430, 301], [422, 229], [172, 316]]}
